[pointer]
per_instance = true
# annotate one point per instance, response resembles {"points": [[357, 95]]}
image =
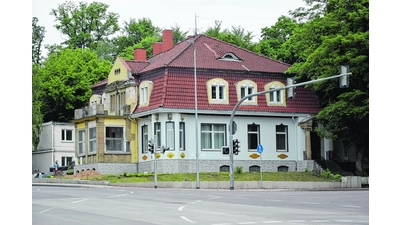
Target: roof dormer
{"points": [[229, 56]]}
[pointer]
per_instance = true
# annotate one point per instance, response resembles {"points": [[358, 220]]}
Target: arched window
{"points": [[224, 168], [283, 169], [254, 168]]}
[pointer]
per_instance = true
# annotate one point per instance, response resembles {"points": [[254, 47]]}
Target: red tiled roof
{"points": [[174, 83], [100, 83]]}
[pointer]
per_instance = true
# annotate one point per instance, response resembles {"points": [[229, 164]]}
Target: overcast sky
{"points": [[252, 15]]}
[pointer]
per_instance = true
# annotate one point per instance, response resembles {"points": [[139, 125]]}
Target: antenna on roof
{"points": [[195, 24]]}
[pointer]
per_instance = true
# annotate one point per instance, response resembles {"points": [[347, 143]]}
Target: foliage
{"points": [[85, 25], [239, 169], [37, 39], [37, 116], [66, 78], [274, 37], [146, 43], [215, 176], [178, 35], [337, 33], [70, 172]]}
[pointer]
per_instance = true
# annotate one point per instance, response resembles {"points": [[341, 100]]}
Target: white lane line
{"points": [[181, 208], [351, 206], [296, 221], [247, 223], [79, 200], [310, 203], [184, 218], [320, 221], [45, 210], [114, 196], [276, 221]]}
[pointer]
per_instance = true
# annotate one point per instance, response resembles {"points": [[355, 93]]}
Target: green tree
{"points": [[133, 33], [38, 34], [84, 24], [273, 38], [178, 35], [338, 36], [66, 78]]}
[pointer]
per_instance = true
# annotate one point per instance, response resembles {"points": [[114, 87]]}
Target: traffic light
{"points": [[163, 149], [290, 92], [225, 150], [151, 147], [344, 80], [236, 146]]}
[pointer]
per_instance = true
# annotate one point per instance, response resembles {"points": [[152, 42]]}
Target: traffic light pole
{"points": [[261, 93]]}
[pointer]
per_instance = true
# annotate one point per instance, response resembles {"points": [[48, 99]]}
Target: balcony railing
{"points": [[99, 109]]}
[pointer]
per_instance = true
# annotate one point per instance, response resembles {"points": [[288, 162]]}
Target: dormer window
{"points": [[145, 90], [244, 88], [217, 91], [230, 57], [278, 97], [117, 71]]}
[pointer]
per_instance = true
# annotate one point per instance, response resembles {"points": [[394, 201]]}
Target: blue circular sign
{"points": [[260, 148]]}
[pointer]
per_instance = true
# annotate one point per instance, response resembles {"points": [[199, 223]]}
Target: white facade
{"points": [[267, 133], [57, 142]]}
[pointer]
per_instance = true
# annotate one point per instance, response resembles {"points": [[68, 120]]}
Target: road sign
{"points": [[260, 148]]}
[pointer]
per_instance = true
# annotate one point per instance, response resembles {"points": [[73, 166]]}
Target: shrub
{"points": [[70, 172], [239, 169]]}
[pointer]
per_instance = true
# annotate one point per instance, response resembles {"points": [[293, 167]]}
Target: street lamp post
{"points": [[196, 118]]}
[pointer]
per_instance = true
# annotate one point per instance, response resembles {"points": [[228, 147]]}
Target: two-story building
{"points": [[57, 142], [182, 98]]}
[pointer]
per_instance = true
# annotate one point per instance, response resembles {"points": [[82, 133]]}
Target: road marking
{"points": [[310, 203], [247, 223], [79, 200], [184, 218], [296, 221], [114, 196], [276, 221], [320, 221], [45, 210], [351, 206], [181, 208]]}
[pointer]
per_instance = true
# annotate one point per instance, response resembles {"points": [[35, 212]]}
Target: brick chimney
{"points": [[167, 41], [139, 54], [157, 48]]}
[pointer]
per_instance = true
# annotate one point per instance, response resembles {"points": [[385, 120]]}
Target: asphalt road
{"points": [[149, 206]]}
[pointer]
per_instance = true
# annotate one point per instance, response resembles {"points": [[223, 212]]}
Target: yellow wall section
{"points": [[80, 125], [123, 75], [114, 122], [134, 143]]}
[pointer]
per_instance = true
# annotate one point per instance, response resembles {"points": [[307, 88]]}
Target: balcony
{"points": [[99, 109]]}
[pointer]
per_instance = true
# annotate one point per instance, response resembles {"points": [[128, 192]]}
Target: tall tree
{"points": [[38, 34], [66, 78], [340, 36], [273, 38], [178, 35], [37, 40], [84, 24], [134, 32]]}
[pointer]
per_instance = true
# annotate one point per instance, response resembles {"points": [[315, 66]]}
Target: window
{"points": [[81, 142], [275, 96], [128, 146], [66, 135], [212, 136], [245, 90], [145, 139], [278, 97], [224, 168], [283, 169], [281, 138], [254, 168], [170, 135], [115, 139], [157, 135], [217, 91], [230, 57], [253, 136], [144, 94], [92, 139], [182, 136], [65, 161]]}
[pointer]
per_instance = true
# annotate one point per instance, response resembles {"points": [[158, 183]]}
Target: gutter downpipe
{"points": [[52, 143], [295, 140]]}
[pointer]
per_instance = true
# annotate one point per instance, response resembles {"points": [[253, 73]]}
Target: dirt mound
{"points": [[87, 174]]}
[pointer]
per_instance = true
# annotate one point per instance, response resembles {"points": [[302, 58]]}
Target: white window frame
{"points": [[279, 138], [92, 140], [251, 133], [64, 135], [145, 138], [170, 135], [247, 90], [114, 140], [182, 140], [213, 136], [275, 96], [81, 142], [157, 135]]}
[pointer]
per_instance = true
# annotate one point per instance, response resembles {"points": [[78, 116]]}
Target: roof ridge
{"points": [[183, 49], [254, 53]]}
